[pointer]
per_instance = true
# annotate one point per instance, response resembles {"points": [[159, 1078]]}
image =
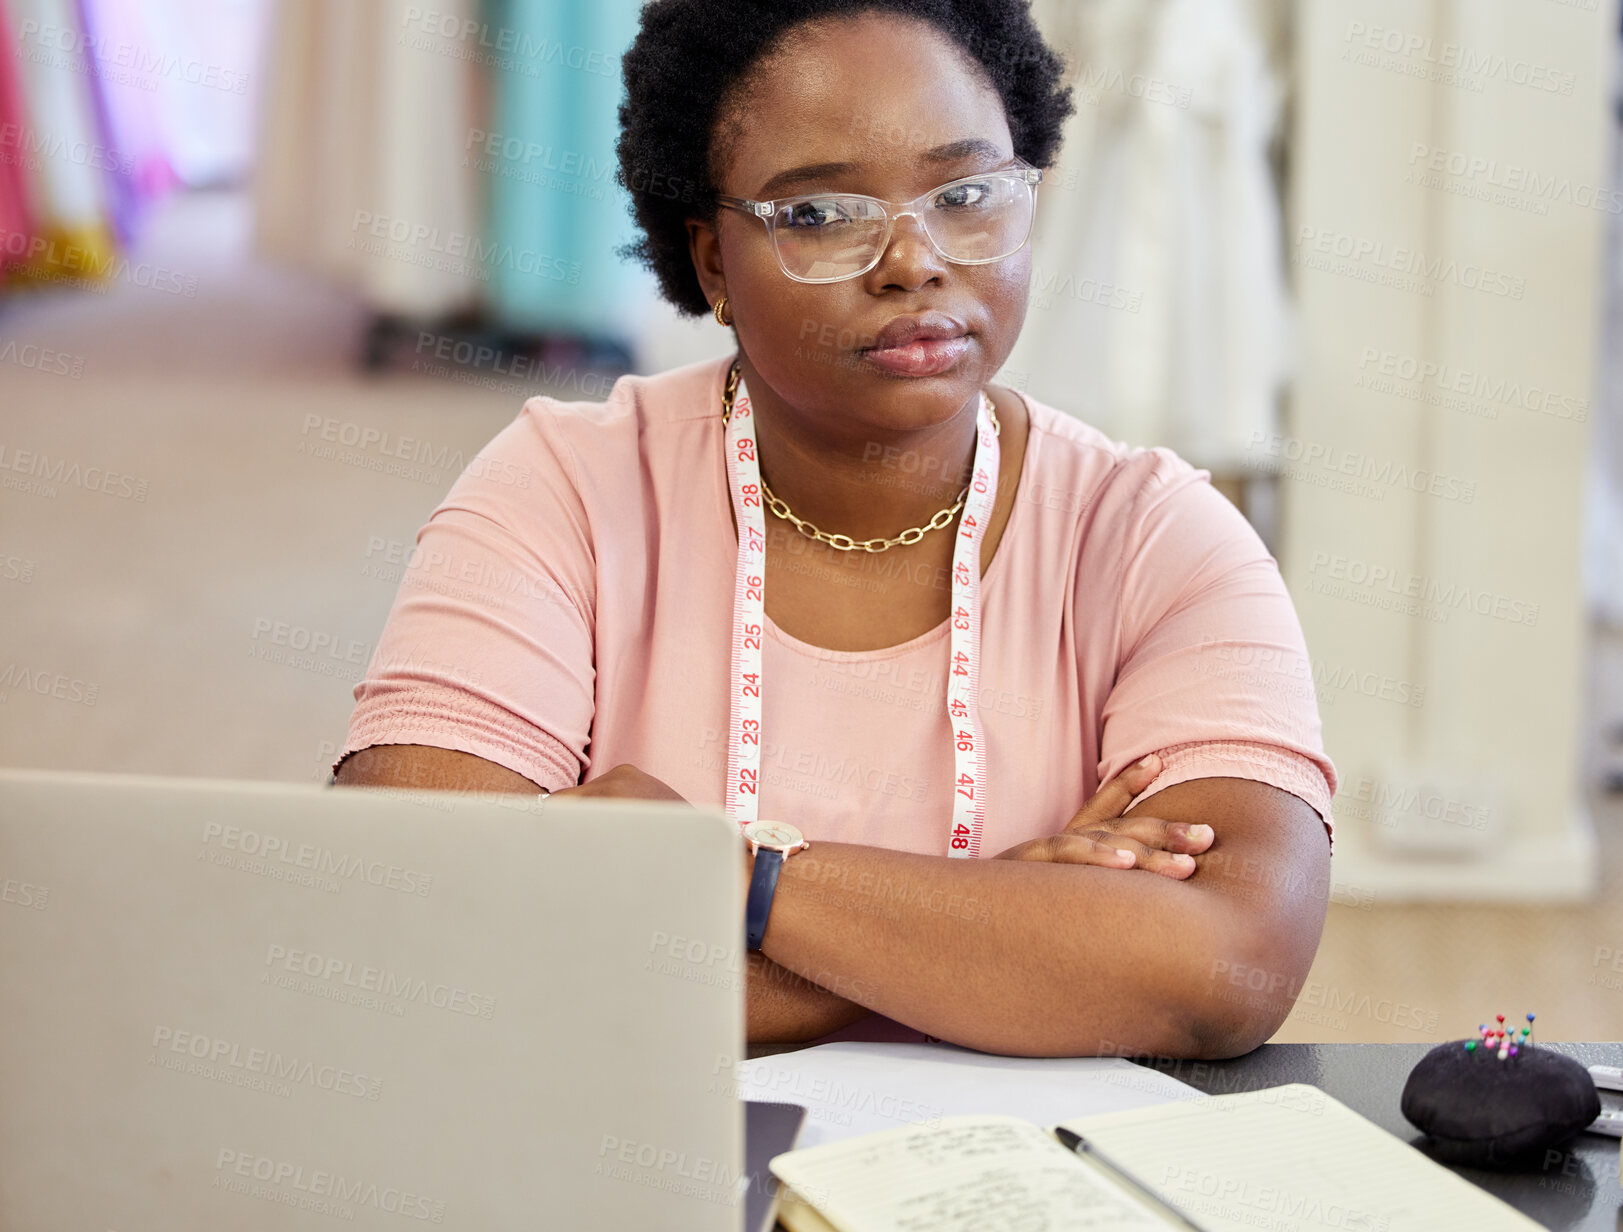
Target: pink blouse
{"points": [[568, 607]]}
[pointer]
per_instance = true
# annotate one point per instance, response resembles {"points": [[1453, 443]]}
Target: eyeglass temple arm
{"points": [[762, 208]]}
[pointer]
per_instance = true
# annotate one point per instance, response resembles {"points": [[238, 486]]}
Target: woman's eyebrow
{"points": [[951, 152]]}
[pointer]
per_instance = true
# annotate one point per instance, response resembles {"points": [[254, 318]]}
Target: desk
{"points": [[1578, 1192]]}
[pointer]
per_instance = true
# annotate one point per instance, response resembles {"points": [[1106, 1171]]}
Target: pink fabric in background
{"points": [[17, 207]]}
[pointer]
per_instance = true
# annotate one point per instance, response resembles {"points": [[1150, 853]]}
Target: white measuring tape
{"points": [[749, 628]]}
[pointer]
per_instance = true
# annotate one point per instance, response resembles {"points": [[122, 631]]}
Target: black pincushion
{"points": [[1482, 1112]]}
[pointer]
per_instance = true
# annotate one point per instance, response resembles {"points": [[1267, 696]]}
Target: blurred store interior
{"points": [[1358, 258]]}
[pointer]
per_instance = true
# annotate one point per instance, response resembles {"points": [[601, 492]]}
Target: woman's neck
{"points": [[854, 478]]}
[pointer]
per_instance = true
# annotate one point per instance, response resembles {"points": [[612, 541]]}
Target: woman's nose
{"points": [[910, 258]]}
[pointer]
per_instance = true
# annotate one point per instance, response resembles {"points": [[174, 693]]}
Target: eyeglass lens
{"points": [[835, 236]]}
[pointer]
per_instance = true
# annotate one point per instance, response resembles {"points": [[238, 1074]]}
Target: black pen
{"points": [[1081, 1146]]}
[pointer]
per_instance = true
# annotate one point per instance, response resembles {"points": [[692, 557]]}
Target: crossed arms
{"points": [[1055, 948]]}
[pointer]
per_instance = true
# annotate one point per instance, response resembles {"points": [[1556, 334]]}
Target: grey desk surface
{"points": [[1575, 1189]]}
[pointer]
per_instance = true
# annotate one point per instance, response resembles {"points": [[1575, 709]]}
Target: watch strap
{"points": [[763, 887]]}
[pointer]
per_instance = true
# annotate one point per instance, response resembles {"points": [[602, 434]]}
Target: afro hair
{"points": [[689, 57]]}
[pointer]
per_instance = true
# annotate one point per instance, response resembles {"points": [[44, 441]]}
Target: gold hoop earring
{"points": [[720, 305]]}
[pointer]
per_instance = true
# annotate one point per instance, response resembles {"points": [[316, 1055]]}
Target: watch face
{"points": [[779, 835]]}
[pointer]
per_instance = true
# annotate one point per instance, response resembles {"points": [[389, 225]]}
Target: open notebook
{"points": [[1285, 1157]]}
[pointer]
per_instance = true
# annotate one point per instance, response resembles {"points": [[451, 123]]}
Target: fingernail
{"points": [[1147, 761], [1199, 834], [1183, 861]]}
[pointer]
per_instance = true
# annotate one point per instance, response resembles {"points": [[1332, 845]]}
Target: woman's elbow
{"points": [[1218, 1037], [1190, 1019], [1240, 995]]}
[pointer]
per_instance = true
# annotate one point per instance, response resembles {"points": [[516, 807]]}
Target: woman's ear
{"points": [[704, 246]]}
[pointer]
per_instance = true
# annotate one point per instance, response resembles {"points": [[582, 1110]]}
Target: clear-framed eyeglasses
{"points": [[828, 237]]}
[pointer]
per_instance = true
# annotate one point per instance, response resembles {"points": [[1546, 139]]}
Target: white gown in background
{"points": [[1159, 311]]}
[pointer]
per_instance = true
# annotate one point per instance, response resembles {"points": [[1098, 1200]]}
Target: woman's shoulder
{"points": [[610, 439], [689, 392], [1075, 458]]}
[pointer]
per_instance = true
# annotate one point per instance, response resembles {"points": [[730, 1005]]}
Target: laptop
{"points": [[285, 1006]]}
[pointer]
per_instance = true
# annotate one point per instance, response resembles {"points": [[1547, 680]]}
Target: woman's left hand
{"points": [[1100, 835]]}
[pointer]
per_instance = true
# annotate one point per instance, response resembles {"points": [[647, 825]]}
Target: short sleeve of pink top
{"points": [[568, 607]]}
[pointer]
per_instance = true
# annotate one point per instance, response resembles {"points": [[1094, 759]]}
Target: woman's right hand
{"points": [[1100, 835]]}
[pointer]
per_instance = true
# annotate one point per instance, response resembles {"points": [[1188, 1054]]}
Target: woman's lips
{"points": [[921, 357]]}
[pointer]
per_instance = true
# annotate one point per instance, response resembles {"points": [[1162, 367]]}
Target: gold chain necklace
{"points": [[845, 543]]}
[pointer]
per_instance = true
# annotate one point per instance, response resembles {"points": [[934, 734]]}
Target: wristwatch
{"points": [[771, 842]]}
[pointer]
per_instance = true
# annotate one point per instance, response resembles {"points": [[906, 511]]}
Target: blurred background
{"points": [[272, 271]]}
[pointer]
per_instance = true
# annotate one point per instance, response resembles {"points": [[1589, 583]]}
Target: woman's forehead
{"points": [[874, 94]]}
